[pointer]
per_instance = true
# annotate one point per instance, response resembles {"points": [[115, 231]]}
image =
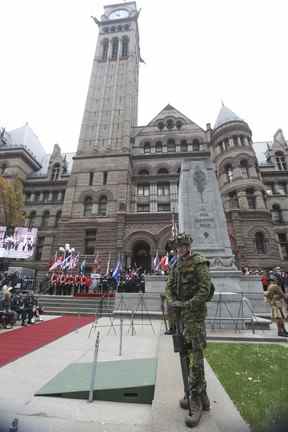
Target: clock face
{"points": [[118, 14]]}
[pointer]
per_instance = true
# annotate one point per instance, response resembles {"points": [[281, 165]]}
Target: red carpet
{"points": [[17, 343]]}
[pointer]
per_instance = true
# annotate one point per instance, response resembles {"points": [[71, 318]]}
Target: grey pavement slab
{"points": [[22, 378]]}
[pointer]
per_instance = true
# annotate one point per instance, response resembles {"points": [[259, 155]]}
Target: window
{"points": [[125, 42], [170, 124], [171, 146], [45, 196], [54, 196], [105, 176], [57, 218], [280, 161], [235, 140], [37, 196], [234, 202], [242, 140], [283, 244], [281, 188], [260, 243], [88, 206], [143, 172], [55, 172], [89, 243], [143, 189], [251, 199], [183, 146], [276, 213], [160, 125], [39, 248], [179, 124], [91, 176], [163, 171], [229, 173], [163, 207], [158, 147], [270, 188], [147, 147], [163, 189], [196, 145], [115, 46], [102, 208], [105, 47], [31, 219], [45, 219], [143, 208], [226, 144], [244, 168]]}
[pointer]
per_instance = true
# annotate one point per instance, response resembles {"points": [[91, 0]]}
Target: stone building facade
{"points": [[117, 195]]}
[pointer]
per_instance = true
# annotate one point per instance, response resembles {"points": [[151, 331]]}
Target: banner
{"points": [[18, 242]]}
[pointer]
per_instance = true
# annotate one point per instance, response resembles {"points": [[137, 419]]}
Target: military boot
{"points": [[204, 398], [196, 412]]}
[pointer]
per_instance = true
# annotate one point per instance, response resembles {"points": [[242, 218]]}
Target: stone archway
{"points": [[141, 255]]}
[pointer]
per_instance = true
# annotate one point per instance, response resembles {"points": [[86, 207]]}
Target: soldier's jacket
{"points": [[274, 295], [189, 281]]}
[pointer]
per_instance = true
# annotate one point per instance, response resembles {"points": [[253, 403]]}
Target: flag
{"points": [[172, 260], [82, 267], [164, 264], [66, 262], [156, 261], [73, 262], [108, 264], [57, 263], [117, 272], [174, 227]]}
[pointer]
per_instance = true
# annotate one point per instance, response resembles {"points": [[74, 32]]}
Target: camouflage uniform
{"points": [[189, 281]]}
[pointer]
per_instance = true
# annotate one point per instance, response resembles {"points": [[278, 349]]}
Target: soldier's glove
{"points": [[177, 304]]}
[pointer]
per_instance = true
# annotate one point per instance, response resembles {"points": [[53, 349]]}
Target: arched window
{"points": [[158, 147], [57, 218], [251, 199], [171, 146], [233, 200], [31, 219], [229, 173], [183, 146], [276, 213], [196, 145], [115, 46], [55, 172], [147, 147], [102, 207], [45, 219], [235, 140], [280, 161], [244, 168], [170, 124], [260, 243], [163, 171], [105, 47], [143, 172], [125, 46], [88, 206]]}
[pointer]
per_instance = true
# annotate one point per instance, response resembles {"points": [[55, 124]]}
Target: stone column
{"points": [[243, 203], [226, 202], [252, 171], [153, 198]]}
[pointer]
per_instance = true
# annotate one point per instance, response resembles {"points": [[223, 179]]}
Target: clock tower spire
{"points": [[111, 105]]}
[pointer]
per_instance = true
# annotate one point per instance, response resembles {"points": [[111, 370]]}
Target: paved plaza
{"points": [[21, 379]]}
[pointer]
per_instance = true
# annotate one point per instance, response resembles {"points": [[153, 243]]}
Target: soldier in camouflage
{"points": [[188, 287]]}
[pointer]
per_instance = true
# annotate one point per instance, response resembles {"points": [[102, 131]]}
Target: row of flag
{"points": [[164, 262]]}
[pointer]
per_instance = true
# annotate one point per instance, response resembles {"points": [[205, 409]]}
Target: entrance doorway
{"points": [[141, 256]]}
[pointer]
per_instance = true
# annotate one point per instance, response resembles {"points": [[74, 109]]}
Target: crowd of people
{"points": [[128, 280], [18, 306]]}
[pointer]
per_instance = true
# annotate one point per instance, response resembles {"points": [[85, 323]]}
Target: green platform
{"points": [[118, 381]]}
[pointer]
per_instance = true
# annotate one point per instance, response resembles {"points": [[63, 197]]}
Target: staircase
{"points": [[60, 305]]}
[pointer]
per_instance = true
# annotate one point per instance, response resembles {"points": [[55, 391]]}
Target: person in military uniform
{"points": [[170, 248], [277, 299], [188, 288]]}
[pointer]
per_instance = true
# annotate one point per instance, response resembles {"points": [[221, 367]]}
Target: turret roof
{"points": [[225, 116]]}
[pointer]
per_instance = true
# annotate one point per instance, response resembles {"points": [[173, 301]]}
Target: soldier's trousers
{"points": [[195, 335]]}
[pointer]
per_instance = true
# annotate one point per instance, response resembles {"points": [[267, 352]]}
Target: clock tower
{"points": [[111, 105]]}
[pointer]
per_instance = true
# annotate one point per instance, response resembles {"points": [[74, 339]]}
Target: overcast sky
{"points": [[197, 53]]}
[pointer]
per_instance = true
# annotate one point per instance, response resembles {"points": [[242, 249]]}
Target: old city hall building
{"points": [[116, 195]]}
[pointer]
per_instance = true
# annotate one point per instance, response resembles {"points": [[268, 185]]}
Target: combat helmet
{"points": [[183, 239]]}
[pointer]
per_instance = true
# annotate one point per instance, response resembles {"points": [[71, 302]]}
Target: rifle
{"points": [[180, 346], [162, 296]]}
